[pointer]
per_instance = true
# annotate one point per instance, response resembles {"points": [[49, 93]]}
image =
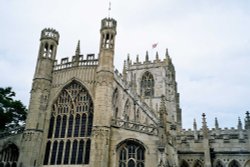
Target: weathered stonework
{"points": [[82, 112]]}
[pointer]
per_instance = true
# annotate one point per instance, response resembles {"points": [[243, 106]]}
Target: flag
{"points": [[154, 45]]}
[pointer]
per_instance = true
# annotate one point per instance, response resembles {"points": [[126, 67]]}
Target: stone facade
{"points": [[82, 112]]}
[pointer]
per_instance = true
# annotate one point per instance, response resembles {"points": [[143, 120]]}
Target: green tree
{"points": [[12, 112]]}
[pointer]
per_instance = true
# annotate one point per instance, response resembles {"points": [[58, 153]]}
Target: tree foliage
{"points": [[12, 112]]}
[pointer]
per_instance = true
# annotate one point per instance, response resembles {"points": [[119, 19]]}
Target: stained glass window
{"points": [[70, 127], [131, 154]]}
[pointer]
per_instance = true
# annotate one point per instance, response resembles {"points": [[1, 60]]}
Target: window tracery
{"points": [[131, 154], [147, 85], [70, 127]]}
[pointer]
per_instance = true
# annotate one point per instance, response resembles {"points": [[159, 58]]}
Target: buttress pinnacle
{"points": [[78, 48]]}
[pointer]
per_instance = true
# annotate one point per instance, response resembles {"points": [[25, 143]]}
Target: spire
{"points": [[216, 123], [239, 124], [195, 125], [195, 130], [167, 55], [204, 126], [146, 58], [78, 51]]}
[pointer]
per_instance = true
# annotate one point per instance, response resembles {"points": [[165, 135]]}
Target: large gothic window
{"points": [[70, 127], [147, 85], [131, 154]]}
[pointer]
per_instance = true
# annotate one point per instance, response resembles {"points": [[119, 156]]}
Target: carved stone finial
{"points": [[167, 55], [216, 123], [204, 125], [239, 124], [78, 51], [195, 125]]}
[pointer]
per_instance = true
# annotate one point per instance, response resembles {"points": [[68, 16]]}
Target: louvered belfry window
{"points": [[70, 127], [147, 85]]}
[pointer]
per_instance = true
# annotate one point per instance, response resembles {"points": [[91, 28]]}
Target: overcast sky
{"points": [[209, 42]]}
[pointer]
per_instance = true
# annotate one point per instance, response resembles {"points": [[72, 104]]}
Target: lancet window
{"points": [[70, 127], [131, 154], [147, 85]]}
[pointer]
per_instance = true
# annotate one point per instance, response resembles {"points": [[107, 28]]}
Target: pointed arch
{"points": [[131, 152], [234, 163], [147, 84], [71, 122], [184, 164]]}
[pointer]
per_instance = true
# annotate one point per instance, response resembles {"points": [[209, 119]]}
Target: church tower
{"points": [[103, 95], [32, 137]]}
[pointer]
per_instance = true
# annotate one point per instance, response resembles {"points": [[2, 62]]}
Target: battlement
{"points": [[50, 33], [137, 64], [76, 61]]}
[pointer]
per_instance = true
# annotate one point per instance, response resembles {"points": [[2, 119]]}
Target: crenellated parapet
{"points": [[157, 62], [50, 33], [65, 63]]}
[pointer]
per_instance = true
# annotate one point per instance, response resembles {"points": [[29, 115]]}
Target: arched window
{"points": [[70, 127], [131, 154], [147, 85], [234, 163]]}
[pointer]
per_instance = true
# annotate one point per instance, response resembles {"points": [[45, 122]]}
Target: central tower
{"points": [[100, 146]]}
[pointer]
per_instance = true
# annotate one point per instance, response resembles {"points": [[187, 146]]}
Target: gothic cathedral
{"points": [[83, 113]]}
